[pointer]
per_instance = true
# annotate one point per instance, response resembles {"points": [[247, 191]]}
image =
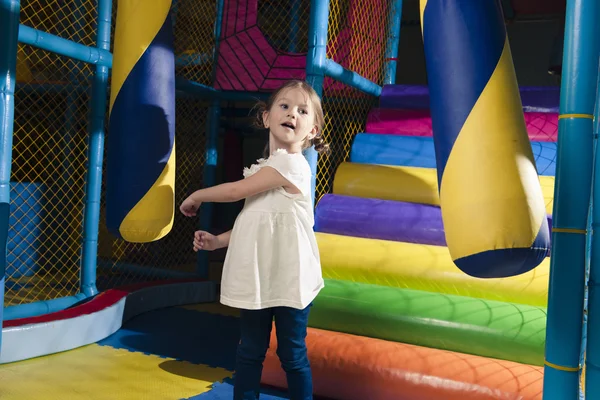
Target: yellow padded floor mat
{"points": [[101, 373]]}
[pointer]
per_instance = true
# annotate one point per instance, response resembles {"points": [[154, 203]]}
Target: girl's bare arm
{"points": [[265, 179], [224, 238]]}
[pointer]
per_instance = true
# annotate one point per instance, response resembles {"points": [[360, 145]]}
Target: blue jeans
{"points": [[290, 325]]}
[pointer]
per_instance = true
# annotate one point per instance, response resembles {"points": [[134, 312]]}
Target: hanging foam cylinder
{"points": [[140, 181], [490, 195]]}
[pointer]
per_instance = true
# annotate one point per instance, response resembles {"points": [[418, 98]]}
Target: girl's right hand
{"points": [[189, 207], [205, 241]]}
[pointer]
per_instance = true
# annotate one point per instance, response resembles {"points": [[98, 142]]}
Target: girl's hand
{"points": [[189, 207], [205, 241]]}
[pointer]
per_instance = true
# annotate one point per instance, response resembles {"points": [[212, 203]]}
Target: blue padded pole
{"points": [[316, 60], [211, 153], [197, 90], [591, 339], [209, 177], [294, 27], [42, 307], [393, 40], [351, 78], [91, 219], [64, 47], [9, 32], [571, 200], [174, 11]]}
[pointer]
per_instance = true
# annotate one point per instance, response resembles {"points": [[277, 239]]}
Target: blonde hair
{"points": [[317, 141]]}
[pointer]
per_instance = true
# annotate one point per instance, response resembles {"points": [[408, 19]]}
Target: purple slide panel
{"points": [[534, 98], [381, 219]]}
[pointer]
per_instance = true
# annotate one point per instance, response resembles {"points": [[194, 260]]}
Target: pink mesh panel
{"points": [[267, 51], [256, 47], [236, 76], [405, 122], [289, 61], [248, 62]]}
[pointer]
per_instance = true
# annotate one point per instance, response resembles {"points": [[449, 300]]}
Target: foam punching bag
{"points": [[140, 181], [491, 200]]}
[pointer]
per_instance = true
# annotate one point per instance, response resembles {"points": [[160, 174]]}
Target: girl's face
{"points": [[291, 120]]}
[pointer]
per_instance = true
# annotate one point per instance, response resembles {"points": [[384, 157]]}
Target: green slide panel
{"points": [[506, 331]]}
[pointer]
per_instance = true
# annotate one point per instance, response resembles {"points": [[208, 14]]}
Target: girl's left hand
{"points": [[189, 207], [205, 241]]}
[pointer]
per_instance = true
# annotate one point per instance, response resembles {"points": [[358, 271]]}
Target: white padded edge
{"points": [[35, 340], [28, 341]]}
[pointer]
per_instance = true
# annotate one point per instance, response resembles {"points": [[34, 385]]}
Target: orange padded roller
{"points": [[357, 368]]}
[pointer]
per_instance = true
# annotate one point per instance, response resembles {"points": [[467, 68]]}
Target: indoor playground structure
{"points": [[454, 220]]}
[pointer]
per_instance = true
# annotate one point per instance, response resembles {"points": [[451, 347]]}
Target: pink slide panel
{"points": [[541, 127]]}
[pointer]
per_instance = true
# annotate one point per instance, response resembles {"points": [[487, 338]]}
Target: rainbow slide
{"points": [[398, 318], [395, 301]]}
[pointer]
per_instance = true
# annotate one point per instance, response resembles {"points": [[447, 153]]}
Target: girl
{"points": [[272, 268]]}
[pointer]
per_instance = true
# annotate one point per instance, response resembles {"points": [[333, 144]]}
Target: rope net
{"points": [[121, 262], [357, 38], [49, 157], [51, 126]]}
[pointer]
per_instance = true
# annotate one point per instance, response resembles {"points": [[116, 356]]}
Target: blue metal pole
{"points": [[174, 10], [591, 340], [351, 78], [209, 177], [91, 219], [55, 88], [199, 91], [9, 32], [393, 40], [316, 58], [196, 59], [41, 307], [571, 200], [212, 141], [294, 17], [64, 47]]}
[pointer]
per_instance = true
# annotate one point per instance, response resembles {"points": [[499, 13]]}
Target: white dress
{"points": [[273, 259]]}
